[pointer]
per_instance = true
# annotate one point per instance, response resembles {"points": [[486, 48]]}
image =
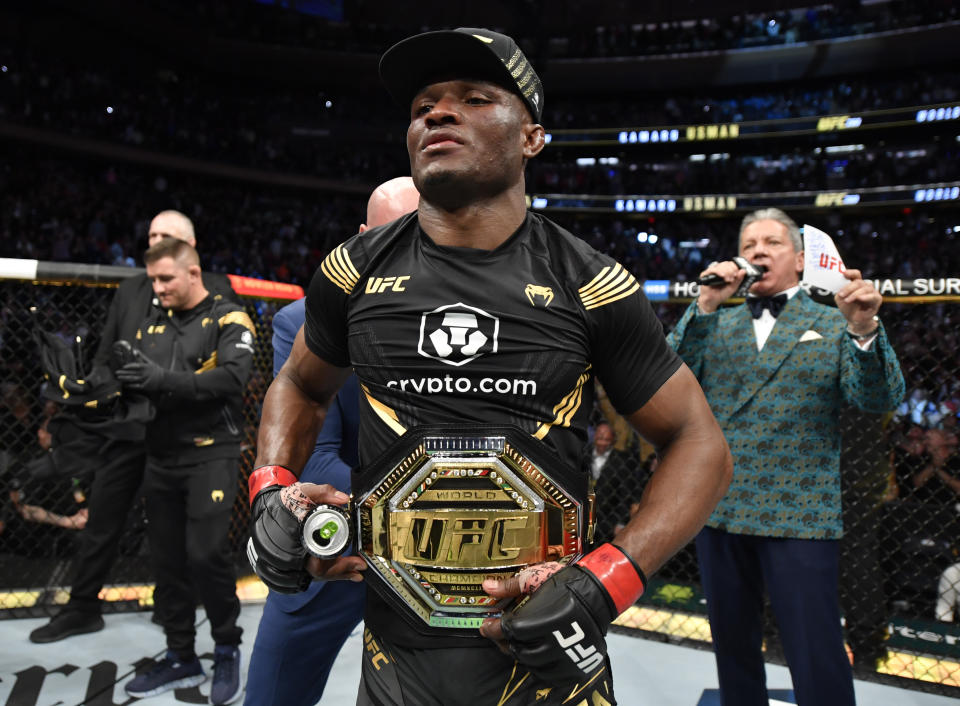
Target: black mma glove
{"points": [[143, 375], [275, 550], [557, 632]]}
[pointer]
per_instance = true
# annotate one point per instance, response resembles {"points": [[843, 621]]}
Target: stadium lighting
{"points": [[842, 148], [937, 194], [702, 243], [927, 115]]}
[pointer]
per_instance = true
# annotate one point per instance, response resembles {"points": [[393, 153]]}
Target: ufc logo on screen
{"points": [[586, 657]]}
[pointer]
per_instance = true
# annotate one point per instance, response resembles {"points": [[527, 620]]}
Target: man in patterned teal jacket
{"points": [[776, 372]]}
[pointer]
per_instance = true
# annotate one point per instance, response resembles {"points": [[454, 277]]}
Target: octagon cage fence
{"points": [[900, 571]]}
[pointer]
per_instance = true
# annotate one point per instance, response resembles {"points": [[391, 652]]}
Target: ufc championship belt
{"points": [[446, 507]]}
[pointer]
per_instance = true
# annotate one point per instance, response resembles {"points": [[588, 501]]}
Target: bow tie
{"points": [[775, 304]]}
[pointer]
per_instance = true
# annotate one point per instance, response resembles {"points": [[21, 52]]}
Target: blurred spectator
{"points": [[948, 594], [255, 231], [918, 408], [77, 519], [57, 501], [938, 482], [637, 32], [611, 474], [908, 458]]}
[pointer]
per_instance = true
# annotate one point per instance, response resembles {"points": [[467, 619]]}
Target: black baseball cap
{"points": [[467, 52]]}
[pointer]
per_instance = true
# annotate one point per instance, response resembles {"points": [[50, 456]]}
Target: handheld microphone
{"points": [[754, 272]]}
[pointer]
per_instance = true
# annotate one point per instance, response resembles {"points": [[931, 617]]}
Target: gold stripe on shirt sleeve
{"points": [[610, 285], [339, 269]]}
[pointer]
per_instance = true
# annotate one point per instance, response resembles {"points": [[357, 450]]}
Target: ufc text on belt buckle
{"points": [[445, 508]]}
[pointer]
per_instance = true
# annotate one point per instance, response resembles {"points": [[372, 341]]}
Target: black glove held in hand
{"points": [[558, 632], [143, 375], [275, 549]]}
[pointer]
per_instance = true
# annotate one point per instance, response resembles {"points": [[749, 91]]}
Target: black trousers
{"points": [[114, 491], [800, 576], [188, 511], [482, 675]]}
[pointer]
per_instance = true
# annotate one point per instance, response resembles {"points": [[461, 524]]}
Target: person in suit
{"points": [[613, 477], [776, 372], [302, 633]]}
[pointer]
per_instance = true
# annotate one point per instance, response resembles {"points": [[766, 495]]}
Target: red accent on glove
{"points": [[617, 573], [265, 476]]}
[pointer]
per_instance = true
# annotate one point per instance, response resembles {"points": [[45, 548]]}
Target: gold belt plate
{"points": [[457, 510]]}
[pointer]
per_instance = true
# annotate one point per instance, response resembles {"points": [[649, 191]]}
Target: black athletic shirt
{"points": [[439, 335]]}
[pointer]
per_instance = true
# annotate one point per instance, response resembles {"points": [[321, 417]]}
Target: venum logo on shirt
{"points": [[455, 334]]}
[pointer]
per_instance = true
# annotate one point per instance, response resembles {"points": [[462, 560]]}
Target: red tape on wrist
{"points": [[617, 572], [265, 476]]}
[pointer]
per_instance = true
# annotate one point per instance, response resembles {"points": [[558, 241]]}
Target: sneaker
{"points": [[169, 673], [226, 675], [65, 624]]}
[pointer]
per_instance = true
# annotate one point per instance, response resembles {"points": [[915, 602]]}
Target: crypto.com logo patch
{"points": [[455, 334]]}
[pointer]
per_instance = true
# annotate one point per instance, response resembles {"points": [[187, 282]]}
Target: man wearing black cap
{"points": [[471, 313]]}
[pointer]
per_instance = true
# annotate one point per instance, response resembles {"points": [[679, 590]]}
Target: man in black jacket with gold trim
{"points": [[193, 358]]}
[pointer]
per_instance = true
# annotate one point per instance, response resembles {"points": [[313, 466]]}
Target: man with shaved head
{"points": [[116, 483], [300, 635], [171, 224], [194, 354], [391, 200]]}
